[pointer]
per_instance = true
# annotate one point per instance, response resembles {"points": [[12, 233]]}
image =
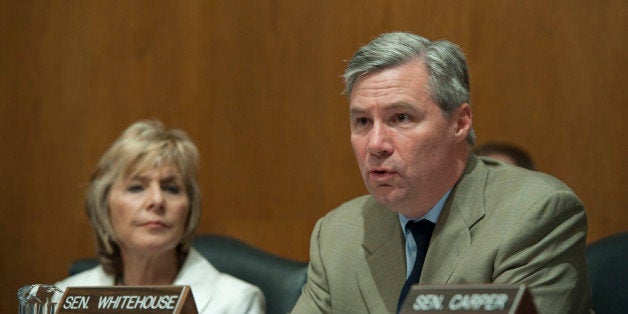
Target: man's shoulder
{"points": [[355, 217], [511, 186], [501, 174], [354, 204], [355, 209]]}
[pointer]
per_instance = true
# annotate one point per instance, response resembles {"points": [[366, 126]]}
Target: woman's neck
{"points": [[143, 270]]}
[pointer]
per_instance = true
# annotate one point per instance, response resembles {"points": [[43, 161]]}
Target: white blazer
{"points": [[214, 292]]}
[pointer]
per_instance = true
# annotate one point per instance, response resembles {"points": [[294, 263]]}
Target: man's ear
{"points": [[462, 118]]}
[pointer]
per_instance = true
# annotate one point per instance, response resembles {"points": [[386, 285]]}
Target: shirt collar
{"points": [[432, 215]]}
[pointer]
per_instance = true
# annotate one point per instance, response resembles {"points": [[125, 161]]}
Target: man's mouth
{"points": [[381, 174]]}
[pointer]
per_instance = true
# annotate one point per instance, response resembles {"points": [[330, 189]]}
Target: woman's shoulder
{"points": [[197, 269], [215, 291], [238, 295], [92, 277]]}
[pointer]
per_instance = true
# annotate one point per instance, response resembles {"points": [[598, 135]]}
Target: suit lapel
{"points": [[382, 274], [452, 236]]}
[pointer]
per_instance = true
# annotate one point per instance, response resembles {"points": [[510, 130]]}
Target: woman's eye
{"points": [[171, 188], [134, 188]]}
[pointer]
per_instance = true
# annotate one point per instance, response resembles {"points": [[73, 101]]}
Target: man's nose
{"points": [[380, 143]]}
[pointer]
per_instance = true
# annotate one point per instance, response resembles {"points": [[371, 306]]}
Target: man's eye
{"points": [[361, 121], [402, 118]]}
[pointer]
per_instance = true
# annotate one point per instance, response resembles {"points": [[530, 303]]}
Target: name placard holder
{"points": [[472, 298], [128, 299]]}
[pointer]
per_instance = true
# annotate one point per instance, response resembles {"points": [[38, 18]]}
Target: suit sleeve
{"points": [[315, 296], [546, 251]]}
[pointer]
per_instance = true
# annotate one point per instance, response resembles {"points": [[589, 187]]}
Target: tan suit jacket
{"points": [[501, 224]]}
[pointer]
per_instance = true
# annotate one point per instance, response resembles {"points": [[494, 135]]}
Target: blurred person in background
{"points": [[507, 153]]}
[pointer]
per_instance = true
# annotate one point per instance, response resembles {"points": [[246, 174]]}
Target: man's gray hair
{"points": [[445, 63]]}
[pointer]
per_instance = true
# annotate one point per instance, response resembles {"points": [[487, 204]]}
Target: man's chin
{"points": [[388, 197]]}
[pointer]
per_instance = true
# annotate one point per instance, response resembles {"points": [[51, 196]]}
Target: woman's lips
{"points": [[155, 224]]}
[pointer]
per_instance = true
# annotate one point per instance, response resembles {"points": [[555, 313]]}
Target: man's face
{"points": [[408, 152]]}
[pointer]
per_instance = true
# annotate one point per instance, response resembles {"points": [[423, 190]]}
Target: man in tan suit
{"points": [[437, 214]]}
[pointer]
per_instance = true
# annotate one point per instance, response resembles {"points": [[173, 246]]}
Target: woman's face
{"points": [[148, 211]]}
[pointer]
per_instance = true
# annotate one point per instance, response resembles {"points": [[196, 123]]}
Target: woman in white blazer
{"points": [[143, 202]]}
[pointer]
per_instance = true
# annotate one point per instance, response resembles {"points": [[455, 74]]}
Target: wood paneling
{"points": [[256, 84]]}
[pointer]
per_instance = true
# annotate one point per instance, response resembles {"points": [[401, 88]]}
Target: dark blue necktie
{"points": [[421, 232]]}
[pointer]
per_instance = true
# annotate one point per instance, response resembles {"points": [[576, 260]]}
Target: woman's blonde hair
{"points": [[141, 147]]}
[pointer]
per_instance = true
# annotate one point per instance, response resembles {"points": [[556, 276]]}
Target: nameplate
{"points": [[128, 299], [468, 299]]}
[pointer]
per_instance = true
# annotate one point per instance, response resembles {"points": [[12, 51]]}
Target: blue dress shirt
{"points": [[432, 215]]}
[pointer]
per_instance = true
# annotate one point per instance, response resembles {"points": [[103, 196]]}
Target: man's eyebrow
{"points": [[356, 111], [391, 107], [399, 105]]}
